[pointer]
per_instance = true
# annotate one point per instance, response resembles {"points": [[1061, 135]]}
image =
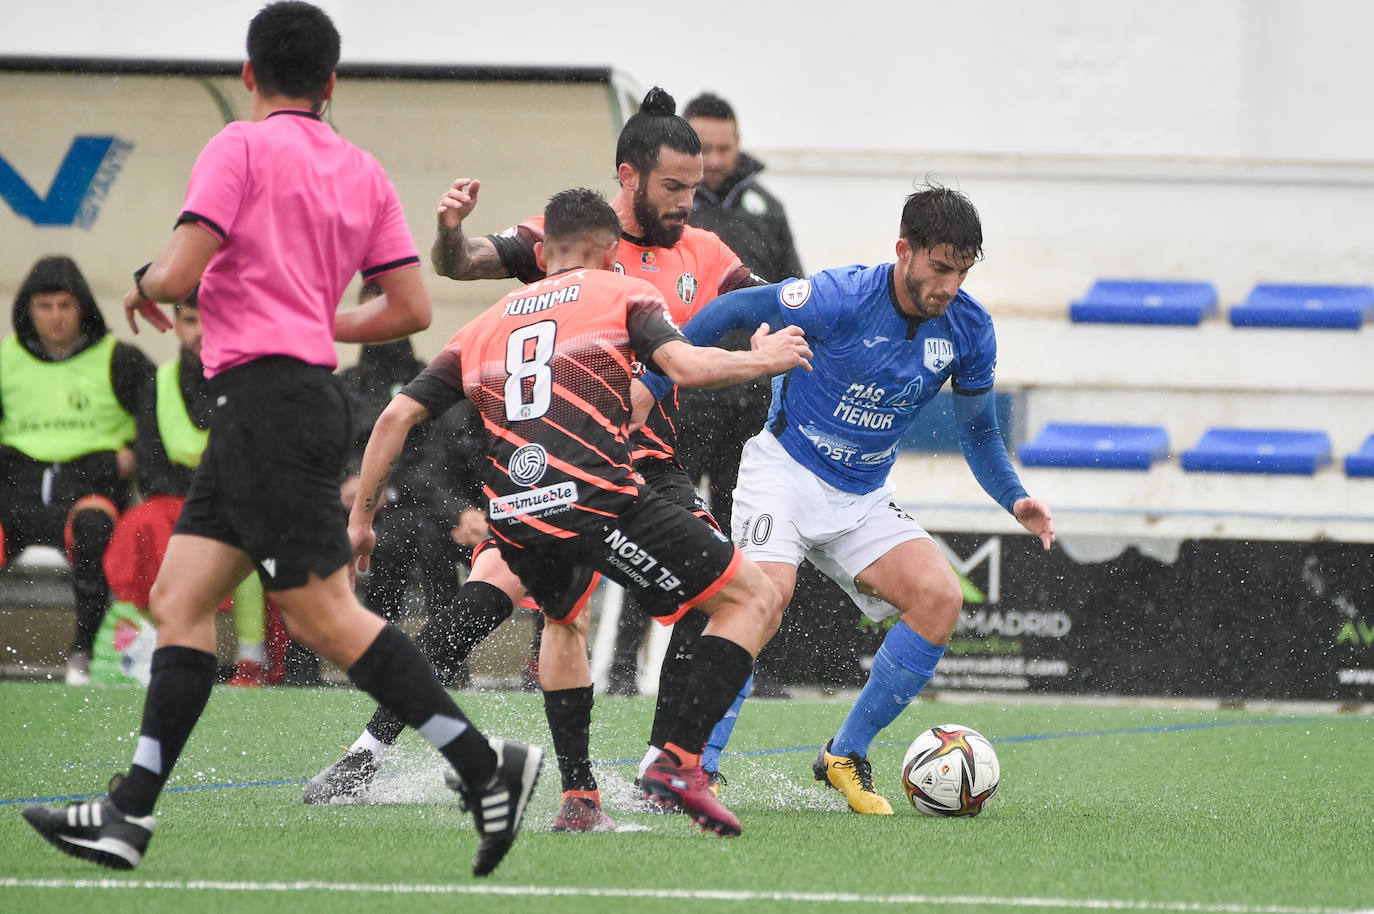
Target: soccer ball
{"points": [[950, 770]]}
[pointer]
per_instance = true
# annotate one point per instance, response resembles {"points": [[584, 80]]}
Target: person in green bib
{"points": [[173, 422], [68, 395]]}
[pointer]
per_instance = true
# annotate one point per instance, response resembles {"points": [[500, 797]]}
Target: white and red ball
{"points": [[950, 770]]}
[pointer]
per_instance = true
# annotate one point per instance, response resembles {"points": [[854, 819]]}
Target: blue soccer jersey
{"points": [[873, 370]]}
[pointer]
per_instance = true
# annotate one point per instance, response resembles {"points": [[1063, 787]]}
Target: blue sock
{"points": [[904, 664], [720, 734]]}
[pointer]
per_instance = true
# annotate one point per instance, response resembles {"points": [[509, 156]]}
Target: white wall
{"points": [[1218, 139], [1247, 78]]}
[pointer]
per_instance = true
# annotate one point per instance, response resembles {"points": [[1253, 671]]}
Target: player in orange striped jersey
{"points": [[550, 368], [659, 166]]}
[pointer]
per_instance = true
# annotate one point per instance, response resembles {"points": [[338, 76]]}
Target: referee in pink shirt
{"points": [[280, 214]]}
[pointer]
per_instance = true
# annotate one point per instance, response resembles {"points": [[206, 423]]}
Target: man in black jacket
{"points": [[68, 396], [732, 203], [715, 423]]}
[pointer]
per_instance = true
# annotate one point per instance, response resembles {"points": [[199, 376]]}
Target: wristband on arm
{"points": [[138, 279]]}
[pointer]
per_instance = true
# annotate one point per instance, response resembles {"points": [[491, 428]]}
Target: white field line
{"points": [[531, 891]]}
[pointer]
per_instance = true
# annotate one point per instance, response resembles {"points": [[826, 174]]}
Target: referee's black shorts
{"points": [[268, 482]]}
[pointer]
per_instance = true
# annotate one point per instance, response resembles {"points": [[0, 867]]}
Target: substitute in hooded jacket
{"points": [[68, 396]]}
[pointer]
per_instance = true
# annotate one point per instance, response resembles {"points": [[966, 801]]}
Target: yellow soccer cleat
{"points": [[852, 776]]}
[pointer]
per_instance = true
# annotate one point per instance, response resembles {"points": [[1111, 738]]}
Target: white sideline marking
{"points": [[534, 891]]}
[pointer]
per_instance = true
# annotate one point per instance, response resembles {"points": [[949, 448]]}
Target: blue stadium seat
{"points": [[1326, 307], [1257, 450], [1361, 463], [1105, 447], [1142, 301]]}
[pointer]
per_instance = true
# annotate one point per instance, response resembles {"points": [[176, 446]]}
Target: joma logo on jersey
{"points": [[687, 288], [543, 301], [939, 353]]}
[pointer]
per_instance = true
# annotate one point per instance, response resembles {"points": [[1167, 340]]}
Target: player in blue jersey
{"points": [[814, 482]]}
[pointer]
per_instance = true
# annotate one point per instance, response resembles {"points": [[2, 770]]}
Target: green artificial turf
{"points": [[1100, 807]]}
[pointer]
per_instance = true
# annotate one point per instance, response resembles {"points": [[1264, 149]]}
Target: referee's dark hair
{"points": [[709, 105], [575, 213], [293, 47], [654, 126], [936, 215]]}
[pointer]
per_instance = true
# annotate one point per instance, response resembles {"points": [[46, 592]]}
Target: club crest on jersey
{"points": [[939, 353], [619, 267], [686, 288], [795, 294], [528, 463], [647, 260]]}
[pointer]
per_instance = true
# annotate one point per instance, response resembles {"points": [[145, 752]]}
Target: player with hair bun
{"points": [[659, 168], [550, 368]]}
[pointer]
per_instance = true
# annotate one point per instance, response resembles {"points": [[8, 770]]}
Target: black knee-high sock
{"points": [[393, 671], [676, 673], [91, 532], [448, 638], [719, 671], [570, 719], [182, 678]]}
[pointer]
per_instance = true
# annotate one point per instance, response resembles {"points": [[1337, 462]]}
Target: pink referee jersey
{"points": [[299, 210]]}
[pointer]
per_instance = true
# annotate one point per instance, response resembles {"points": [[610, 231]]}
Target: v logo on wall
{"points": [[81, 184]]}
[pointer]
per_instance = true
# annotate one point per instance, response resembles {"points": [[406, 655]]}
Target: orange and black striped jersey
{"points": [[688, 275], [549, 367]]}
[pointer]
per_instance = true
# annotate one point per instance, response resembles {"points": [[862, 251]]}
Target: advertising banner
{"points": [[1205, 618]]}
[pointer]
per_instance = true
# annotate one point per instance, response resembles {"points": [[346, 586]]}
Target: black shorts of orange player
{"points": [[671, 481], [663, 556]]}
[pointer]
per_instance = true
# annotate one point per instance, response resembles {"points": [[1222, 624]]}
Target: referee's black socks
{"points": [[182, 678]]}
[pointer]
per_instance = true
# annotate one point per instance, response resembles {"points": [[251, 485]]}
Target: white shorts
{"points": [[784, 513]]}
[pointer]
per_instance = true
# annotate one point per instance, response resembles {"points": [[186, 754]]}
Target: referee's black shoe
{"points": [[94, 830], [499, 806]]}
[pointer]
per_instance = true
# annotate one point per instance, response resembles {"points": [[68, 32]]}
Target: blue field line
{"points": [[763, 753], [1036, 737], [92, 796]]}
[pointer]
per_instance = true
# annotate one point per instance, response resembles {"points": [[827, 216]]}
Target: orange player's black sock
{"points": [[393, 671], [570, 718], [719, 670], [448, 638], [676, 674]]}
